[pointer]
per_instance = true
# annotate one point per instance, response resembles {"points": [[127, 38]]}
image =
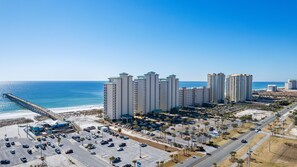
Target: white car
{"points": [[120, 149], [12, 151]]}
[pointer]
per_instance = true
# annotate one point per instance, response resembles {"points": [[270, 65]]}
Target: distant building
{"points": [[146, 93], [193, 96], [118, 97], [271, 88], [291, 84], [169, 93], [239, 87], [216, 84]]}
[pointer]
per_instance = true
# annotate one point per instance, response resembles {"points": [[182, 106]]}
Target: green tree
{"points": [[120, 130], [134, 162], [111, 159]]}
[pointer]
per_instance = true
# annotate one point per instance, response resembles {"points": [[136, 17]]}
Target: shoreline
{"points": [[30, 115]]}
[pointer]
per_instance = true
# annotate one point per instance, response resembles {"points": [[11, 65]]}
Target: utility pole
{"points": [[249, 153]]}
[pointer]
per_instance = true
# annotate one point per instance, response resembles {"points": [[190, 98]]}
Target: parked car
{"points": [[29, 151], [123, 145], [7, 145], [6, 139], [5, 162], [116, 160], [93, 152], [69, 151], [58, 151], [12, 143], [88, 137], [23, 159], [120, 149], [110, 139], [25, 146], [12, 151], [111, 145], [103, 142], [53, 146], [143, 145], [126, 138]]}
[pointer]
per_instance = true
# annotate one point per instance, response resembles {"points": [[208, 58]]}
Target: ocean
{"points": [[59, 95]]}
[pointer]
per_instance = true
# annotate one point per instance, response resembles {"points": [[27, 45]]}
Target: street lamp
{"points": [[140, 151]]}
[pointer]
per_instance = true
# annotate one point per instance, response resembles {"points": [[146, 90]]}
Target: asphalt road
{"points": [[224, 151]]}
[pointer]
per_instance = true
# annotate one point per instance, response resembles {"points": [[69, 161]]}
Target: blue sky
{"points": [[96, 39]]}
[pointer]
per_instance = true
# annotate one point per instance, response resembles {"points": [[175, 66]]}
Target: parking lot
{"points": [[149, 155], [102, 153], [20, 152]]}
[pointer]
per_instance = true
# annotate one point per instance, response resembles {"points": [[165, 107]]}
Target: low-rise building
{"points": [[271, 88]]}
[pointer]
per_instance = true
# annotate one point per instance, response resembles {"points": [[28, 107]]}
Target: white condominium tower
{"points": [[193, 96], [291, 84], [216, 84], [146, 93], [169, 93], [118, 97], [239, 87]]}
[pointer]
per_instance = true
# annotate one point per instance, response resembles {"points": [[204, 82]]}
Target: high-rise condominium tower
{"points": [[118, 97], [216, 84], [169, 93], [239, 87], [146, 93]]}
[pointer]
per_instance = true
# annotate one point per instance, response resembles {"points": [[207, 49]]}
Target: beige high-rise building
{"points": [[146, 93], [169, 93], [216, 84], [118, 97], [239, 87], [193, 96]]}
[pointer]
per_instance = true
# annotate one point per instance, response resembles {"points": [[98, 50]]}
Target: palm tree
{"points": [[188, 139], [215, 165], [232, 153], [134, 162], [240, 162]]}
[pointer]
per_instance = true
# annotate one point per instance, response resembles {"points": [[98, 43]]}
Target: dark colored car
{"points": [[29, 151], [69, 151], [23, 159], [110, 139], [243, 141], [12, 143], [123, 145], [143, 145], [127, 165], [111, 145], [58, 151], [116, 160], [25, 146], [5, 162], [103, 142], [7, 144]]}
